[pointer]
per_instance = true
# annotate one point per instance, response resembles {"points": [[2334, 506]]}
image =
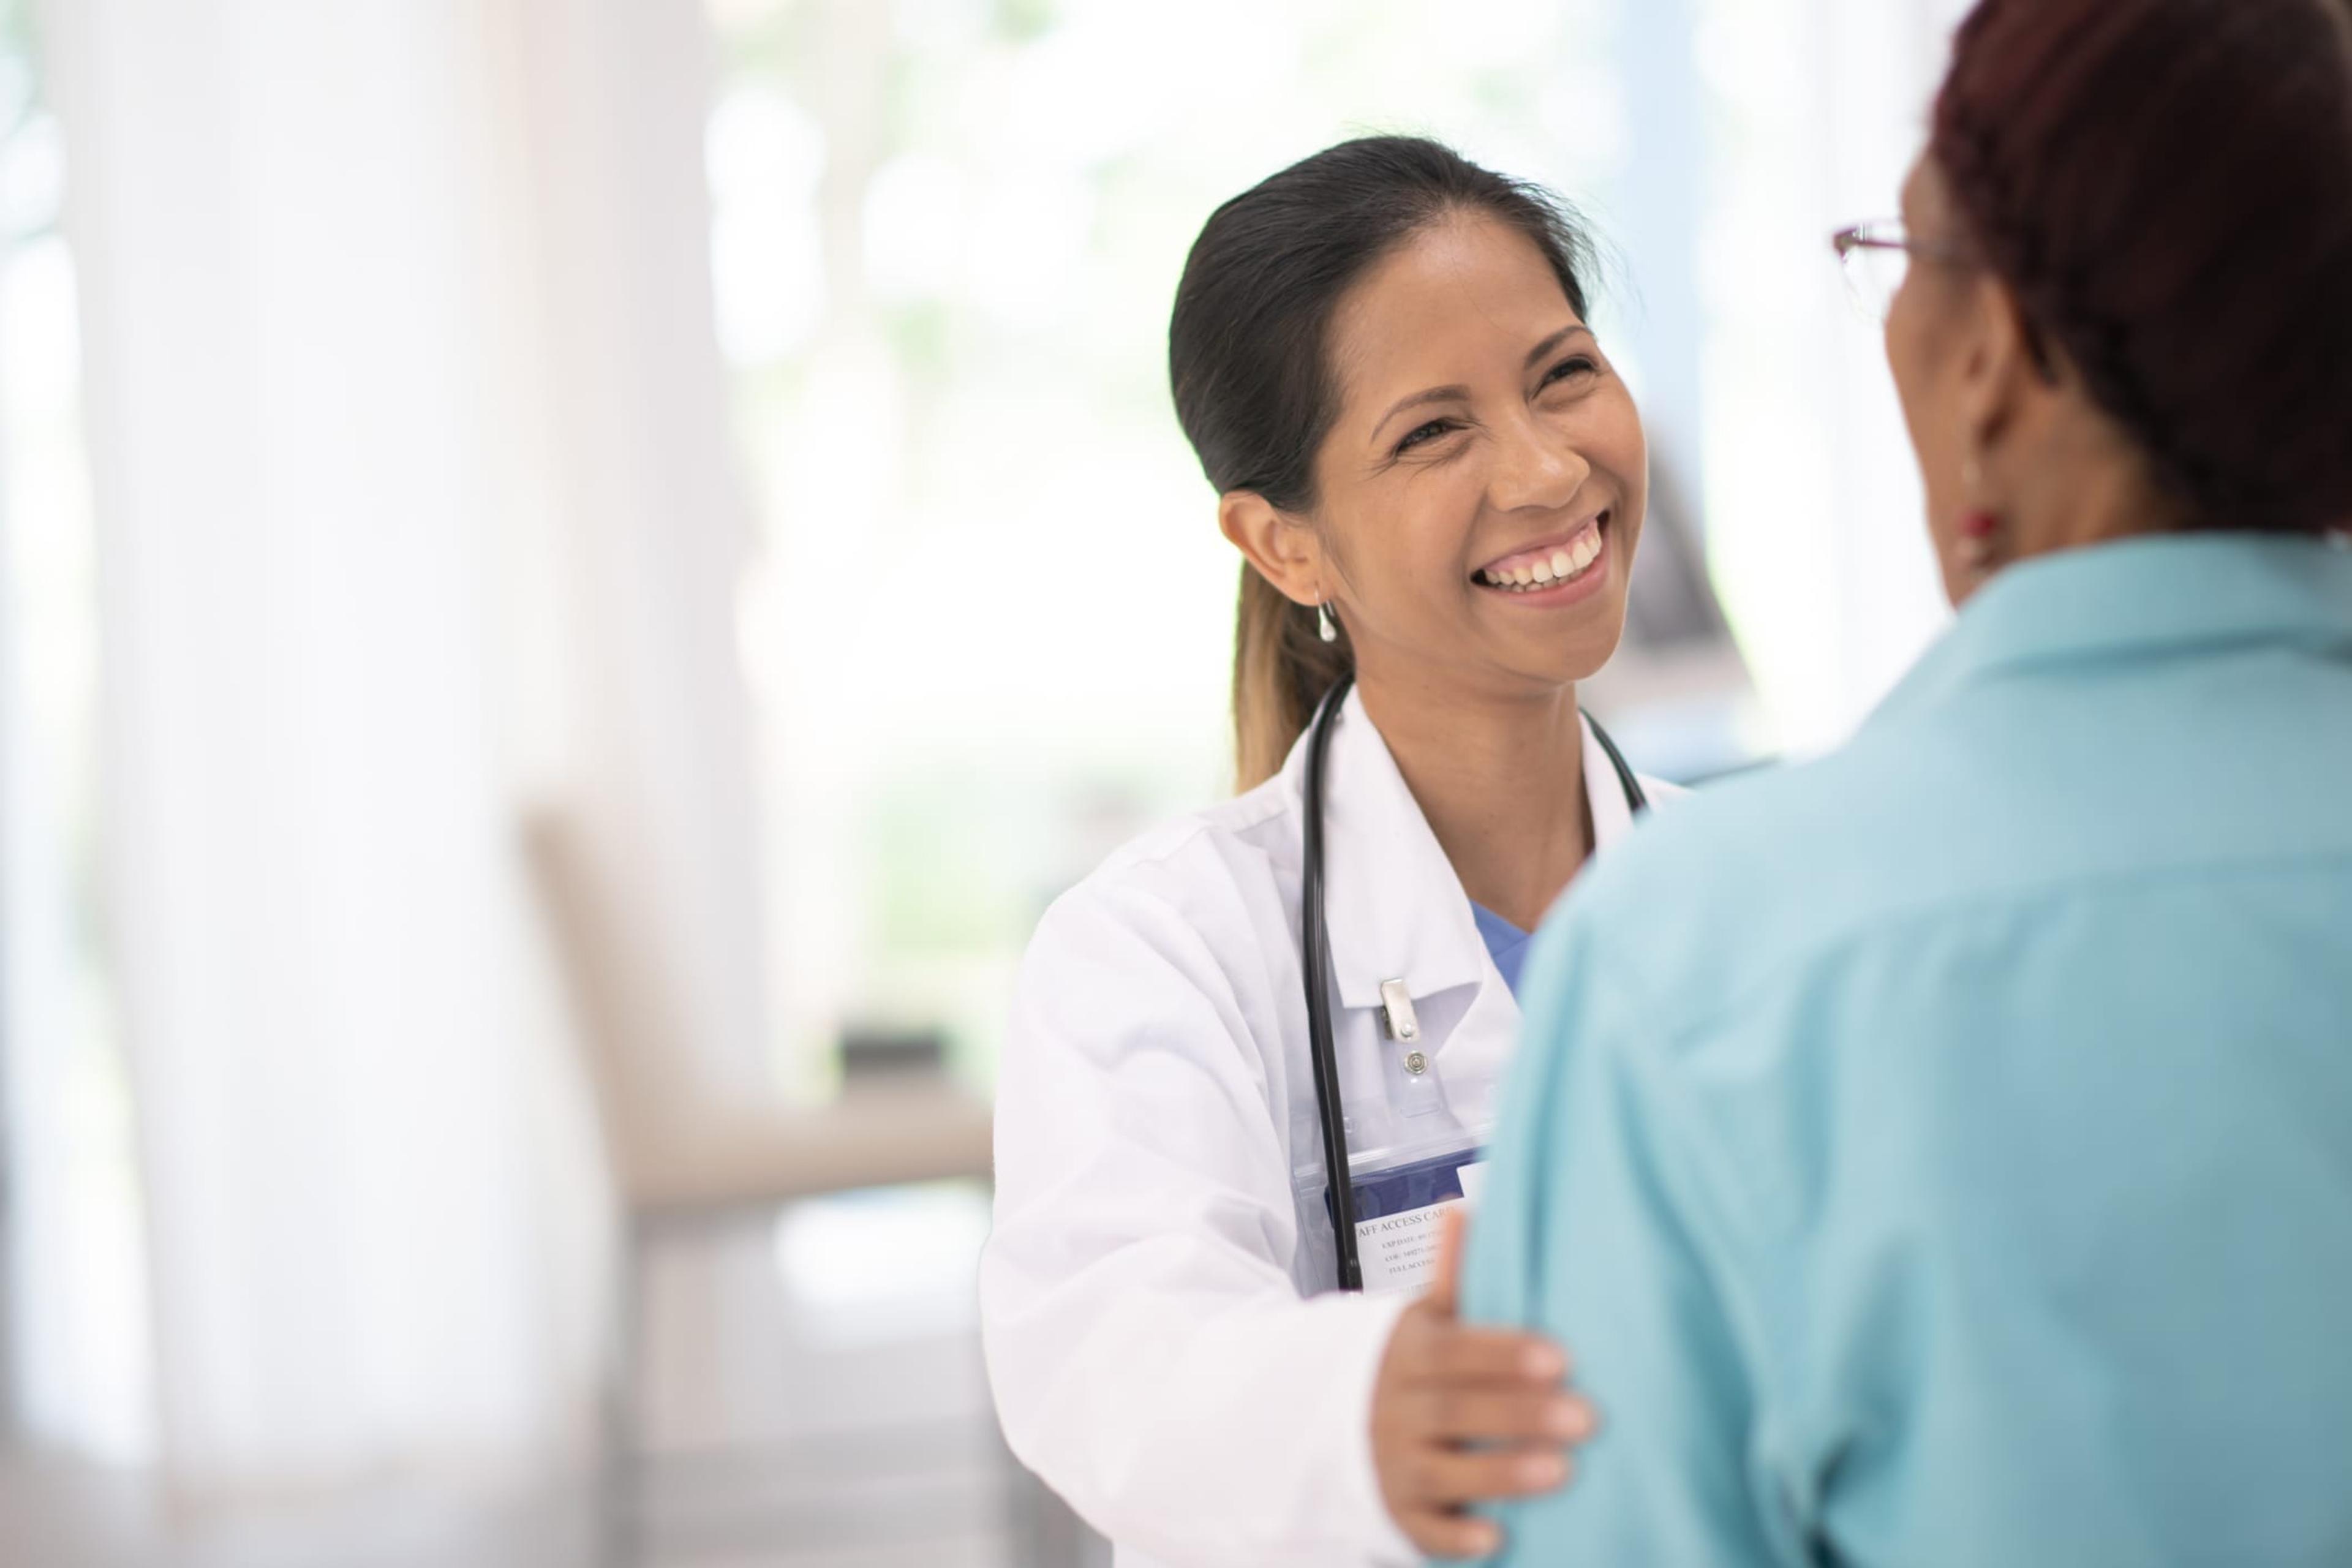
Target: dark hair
{"points": [[2167, 187], [1249, 360]]}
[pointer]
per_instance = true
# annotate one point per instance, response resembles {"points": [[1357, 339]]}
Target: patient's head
{"points": [[1383, 357], [2131, 303]]}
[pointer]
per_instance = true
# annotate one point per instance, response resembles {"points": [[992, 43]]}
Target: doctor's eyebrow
{"points": [[1461, 394], [1537, 353], [1434, 394]]}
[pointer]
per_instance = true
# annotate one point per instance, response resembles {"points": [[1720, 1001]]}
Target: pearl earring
{"points": [[1325, 626]]}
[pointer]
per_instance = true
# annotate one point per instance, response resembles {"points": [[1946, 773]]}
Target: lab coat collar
{"points": [[1393, 906], [2138, 597]]}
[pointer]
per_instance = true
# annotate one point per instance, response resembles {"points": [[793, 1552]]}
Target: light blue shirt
{"points": [[1942, 1154]]}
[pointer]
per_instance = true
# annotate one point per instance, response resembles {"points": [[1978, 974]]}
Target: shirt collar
{"points": [[1392, 904], [2138, 598]]}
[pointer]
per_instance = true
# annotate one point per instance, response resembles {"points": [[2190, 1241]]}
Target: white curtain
{"points": [[413, 506]]}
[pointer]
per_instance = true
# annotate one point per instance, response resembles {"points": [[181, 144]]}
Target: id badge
{"points": [[1397, 1214]]}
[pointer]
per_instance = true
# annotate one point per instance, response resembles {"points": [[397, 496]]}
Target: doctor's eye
{"points": [[1423, 435], [1576, 364]]}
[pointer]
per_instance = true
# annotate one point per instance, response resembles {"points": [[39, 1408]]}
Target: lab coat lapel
{"points": [[1394, 908]]}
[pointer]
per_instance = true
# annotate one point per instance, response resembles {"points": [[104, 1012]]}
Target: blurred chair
{"points": [[680, 1153]]}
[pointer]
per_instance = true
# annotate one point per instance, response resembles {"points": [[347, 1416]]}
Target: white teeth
{"points": [[1571, 559]]}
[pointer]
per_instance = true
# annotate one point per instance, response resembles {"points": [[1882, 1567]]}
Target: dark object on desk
{"points": [[868, 1053]]}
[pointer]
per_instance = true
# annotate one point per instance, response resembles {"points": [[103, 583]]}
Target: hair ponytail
{"points": [[1281, 669], [1250, 368]]}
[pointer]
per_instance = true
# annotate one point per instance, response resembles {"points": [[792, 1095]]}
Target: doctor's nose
{"points": [[1537, 470]]}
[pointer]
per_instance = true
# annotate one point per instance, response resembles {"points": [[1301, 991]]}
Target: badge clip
{"points": [[1396, 1011]]}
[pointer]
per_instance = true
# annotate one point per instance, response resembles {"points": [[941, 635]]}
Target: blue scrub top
{"points": [[1942, 1154], [1506, 944]]}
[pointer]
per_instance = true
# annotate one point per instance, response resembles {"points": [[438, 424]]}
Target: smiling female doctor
{"points": [[1382, 358]]}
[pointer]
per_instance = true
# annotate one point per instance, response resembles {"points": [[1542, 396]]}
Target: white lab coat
{"points": [[1163, 1336]]}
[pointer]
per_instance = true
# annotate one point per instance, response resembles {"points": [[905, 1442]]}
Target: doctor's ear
{"points": [[1285, 549]]}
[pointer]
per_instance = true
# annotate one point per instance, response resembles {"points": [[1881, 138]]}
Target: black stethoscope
{"points": [[1315, 963]]}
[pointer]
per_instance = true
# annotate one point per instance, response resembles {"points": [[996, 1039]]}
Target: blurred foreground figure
{"points": [[1969, 1179]]}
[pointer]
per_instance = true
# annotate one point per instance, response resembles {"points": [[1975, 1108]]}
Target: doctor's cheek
{"points": [[1462, 1415]]}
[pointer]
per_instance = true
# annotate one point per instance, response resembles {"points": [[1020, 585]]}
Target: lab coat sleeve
{"points": [[1152, 1356], [1598, 1228]]}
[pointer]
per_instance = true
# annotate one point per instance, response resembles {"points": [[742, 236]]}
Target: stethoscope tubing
{"points": [[1315, 963]]}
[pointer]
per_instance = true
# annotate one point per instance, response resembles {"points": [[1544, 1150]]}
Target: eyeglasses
{"points": [[1876, 257]]}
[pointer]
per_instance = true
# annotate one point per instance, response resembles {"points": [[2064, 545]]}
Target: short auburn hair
{"points": [[2167, 187]]}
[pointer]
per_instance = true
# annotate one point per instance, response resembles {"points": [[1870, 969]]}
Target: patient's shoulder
{"points": [[1751, 876]]}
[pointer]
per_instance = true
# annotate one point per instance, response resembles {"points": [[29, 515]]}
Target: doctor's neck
{"points": [[1501, 782]]}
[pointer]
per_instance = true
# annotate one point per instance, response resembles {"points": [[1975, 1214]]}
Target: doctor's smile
{"points": [[1563, 571]]}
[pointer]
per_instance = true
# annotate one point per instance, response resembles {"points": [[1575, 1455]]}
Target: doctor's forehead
{"points": [[1462, 301]]}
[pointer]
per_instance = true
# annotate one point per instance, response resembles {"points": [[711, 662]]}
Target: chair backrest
{"points": [[677, 1139], [624, 1007]]}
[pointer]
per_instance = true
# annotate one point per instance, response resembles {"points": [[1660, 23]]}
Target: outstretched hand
{"points": [[1462, 1415]]}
